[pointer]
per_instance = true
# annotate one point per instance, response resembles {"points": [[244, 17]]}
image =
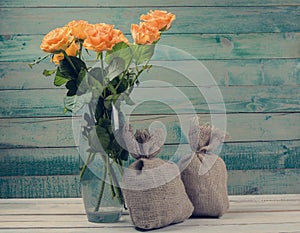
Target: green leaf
{"points": [[96, 73], [70, 68], [97, 87], [103, 136], [142, 53], [107, 105], [112, 88], [99, 139], [115, 68], [123, 86], [59, 78], [120, 50], [81, 76], [87, 83], [48, 73], [105, 123], [82, 82], [112, 97], [96, 81], [75, 103], [72, 88], [109, 99], [99, 109]]}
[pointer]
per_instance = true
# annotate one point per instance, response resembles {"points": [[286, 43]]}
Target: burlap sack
{"points": [[152, 188], [204, 174]]}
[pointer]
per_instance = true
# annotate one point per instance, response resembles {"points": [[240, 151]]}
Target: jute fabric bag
{"points": [[152, 188], [204, 174]]}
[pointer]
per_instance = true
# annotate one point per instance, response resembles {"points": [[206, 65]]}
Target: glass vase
{"points": [[101, 202], [101, 163]]}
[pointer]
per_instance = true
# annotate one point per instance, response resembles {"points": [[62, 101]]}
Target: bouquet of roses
{"points": [[102, 87]]}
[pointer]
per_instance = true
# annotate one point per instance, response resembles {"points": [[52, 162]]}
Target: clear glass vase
{"points": [[101, 206], [101, 164]]}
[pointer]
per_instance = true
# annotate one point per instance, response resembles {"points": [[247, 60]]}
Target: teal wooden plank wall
{"points": [[251, 47]]}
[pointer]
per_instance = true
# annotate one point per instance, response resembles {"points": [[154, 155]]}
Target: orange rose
{"points": [[71, 51], [119, 37], [144, 33], [78, 28], [160, 19], [55, 40], [102, 37], [57, 58]]}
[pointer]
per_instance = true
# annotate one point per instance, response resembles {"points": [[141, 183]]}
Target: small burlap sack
{"points": [[204, 174], [152, 188]]}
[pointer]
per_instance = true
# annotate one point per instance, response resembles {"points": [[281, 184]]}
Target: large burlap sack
{"points": [[204, 174], [152, 188]]}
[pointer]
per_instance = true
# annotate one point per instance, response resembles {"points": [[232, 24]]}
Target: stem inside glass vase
{"points": [[102, 184], [110, 173]]}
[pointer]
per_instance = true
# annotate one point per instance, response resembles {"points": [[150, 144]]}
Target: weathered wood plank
{"points": [[236, 46], [264, 181], [53, 215], [57, 131], [228, 219], [79, 218], [35, 132], [40, 186], [261, 198], [264, 72], [241, 127], [32, 206], [21, 48], [261, 155], [243, 211], [39, 161], [182, 100], [143, 3], [65, 161], [244, 203], [281, 181], [212, 19], [75, 203], [245, 228], [258, 228]]}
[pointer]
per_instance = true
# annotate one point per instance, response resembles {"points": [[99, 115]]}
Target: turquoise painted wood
{"points": [[143, 3], [251, 48], [213, 46], [252, 156], [241, 182], [189, 19], [39, 132], [248, 72], [237, 99]]}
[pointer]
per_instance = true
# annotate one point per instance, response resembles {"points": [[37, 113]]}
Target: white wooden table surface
{"points": [[257, 213]]}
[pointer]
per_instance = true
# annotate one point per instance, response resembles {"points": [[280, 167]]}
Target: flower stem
{"points": [[139, 72], [38, 60], [116, 184], [120, 168], [113, 193], [89, 159], [80, 48], [69, 60], [100, 194], [102, 185], [102, 64]]}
